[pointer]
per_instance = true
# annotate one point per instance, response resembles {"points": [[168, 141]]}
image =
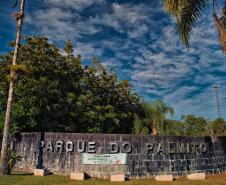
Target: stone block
{"points": [[164, 178], [39, 172], [77, 176], [196, 176], [120, 177]]}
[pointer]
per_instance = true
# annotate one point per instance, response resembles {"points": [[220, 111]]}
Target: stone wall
{"points": [[147, 156]]}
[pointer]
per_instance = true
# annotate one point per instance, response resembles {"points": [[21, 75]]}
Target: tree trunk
{"points": [[6, 133], [154, 130]]}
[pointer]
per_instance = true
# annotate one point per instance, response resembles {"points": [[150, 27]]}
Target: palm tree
{"points": [[187, 12], [139, 126], [142, 119], [6, 132], [152, 117], [159, 113]]}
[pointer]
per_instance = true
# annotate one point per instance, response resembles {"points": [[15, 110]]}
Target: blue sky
{"points": [[138, 41]]}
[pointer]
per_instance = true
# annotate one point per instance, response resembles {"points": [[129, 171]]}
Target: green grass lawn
{"points": [[62, 180]]}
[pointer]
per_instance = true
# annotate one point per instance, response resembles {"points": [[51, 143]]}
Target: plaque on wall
{"points": [[120, 158]]}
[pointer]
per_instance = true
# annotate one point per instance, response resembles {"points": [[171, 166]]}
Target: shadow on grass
{"points": [[21, 174]]}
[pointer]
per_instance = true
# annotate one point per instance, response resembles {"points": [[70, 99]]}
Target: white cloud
{"points": [[60, 24], [124, 18], [88, 50], [78, 5], [149, 53], [202, 104]]}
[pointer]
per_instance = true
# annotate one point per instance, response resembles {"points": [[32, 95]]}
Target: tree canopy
{"points": [[151, 118], [55, 92]]}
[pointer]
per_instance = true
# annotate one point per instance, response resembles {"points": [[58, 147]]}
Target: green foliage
{"points": [[191, 125], [143, 119], [140, 127], [13, 159], [5, 61], [219, 126], [151, 117], [56, 93], [160, 110], [194, 125], [186, 13], [174, 128], [69, 48]]}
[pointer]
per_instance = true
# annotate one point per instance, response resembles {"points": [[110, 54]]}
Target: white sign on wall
{"points": [[120, 158]]}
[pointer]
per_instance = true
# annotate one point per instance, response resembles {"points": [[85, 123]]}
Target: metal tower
{"points": [[216, 88]]}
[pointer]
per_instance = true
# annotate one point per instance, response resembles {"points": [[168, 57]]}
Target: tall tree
{"points": [[188, 12], [219, 126], [194, 125], [151, 118], [143, 119], [159, 112], [55, 92], [6, 132]]}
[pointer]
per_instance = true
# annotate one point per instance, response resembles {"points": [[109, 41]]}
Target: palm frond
{"points": [[186, 12], [175, 7], [189, 15]]}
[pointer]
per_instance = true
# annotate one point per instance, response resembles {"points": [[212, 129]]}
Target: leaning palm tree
{"points": [[6, 132], [13, 76], [188, 12]]}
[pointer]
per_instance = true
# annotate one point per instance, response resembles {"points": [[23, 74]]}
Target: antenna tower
{"points": [[216, 88]]}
